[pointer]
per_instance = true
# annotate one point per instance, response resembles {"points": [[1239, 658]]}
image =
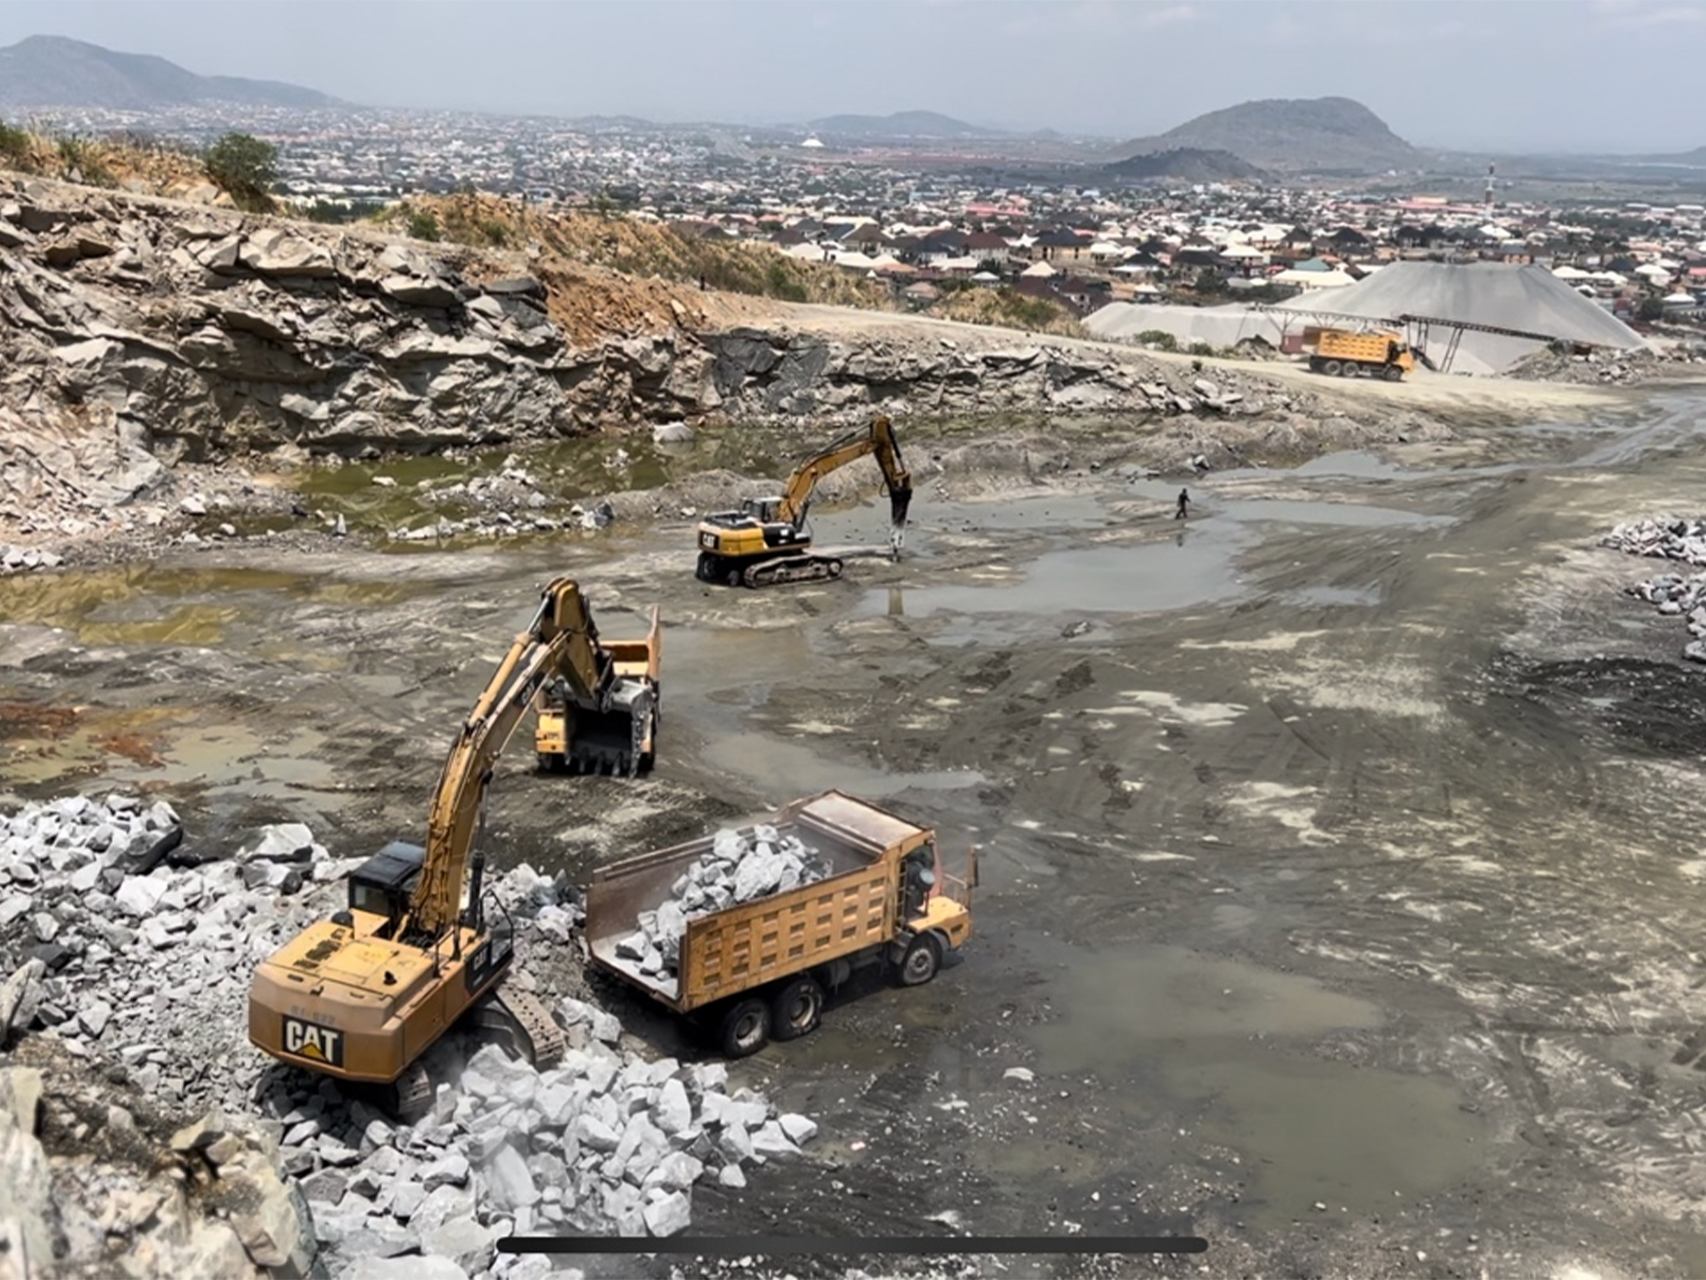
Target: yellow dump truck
{"points": [[757, 970], [1341, 353]]}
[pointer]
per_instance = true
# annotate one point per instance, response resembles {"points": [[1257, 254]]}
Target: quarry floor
{"points": [[1338, 880]]}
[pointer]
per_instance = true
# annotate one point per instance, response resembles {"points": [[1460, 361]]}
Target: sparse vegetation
{"points": [[84, 161], [1158, 338], [1201, 349], [14, 142], [1008, 308], [246, 169], [636, 248], [423, 224], [339, 211]]}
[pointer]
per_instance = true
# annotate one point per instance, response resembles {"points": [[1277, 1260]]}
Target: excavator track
{"points": [[410, 1095], [791, 569], [519, 1015]]}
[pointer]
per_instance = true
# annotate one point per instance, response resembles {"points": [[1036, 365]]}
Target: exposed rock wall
{"points": [[138, 333]]}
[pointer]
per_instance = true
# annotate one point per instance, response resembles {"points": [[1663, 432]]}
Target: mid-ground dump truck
{"points": [[758, 971], [1343, 354]]}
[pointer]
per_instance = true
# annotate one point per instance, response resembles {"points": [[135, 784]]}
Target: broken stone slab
{"points": [[509, 1181], [20, 997], [464, 1241], [280, 842], [668, 1215], [429, 1267]]}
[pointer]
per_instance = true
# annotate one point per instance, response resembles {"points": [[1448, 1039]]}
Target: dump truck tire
{"points": [[922, 959], [1394, 373], [745, 1028], [796, 1009], [1332, 368]]}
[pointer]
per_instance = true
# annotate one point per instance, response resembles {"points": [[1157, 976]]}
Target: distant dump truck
{"points": [[1341, 353], [754, 971]]}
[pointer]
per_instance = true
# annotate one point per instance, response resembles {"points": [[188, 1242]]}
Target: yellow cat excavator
{"points": [[363, 995], [766, 542]]}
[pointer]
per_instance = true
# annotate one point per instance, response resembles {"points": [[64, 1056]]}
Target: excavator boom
{"points": [[880, 440], [364, 994]]}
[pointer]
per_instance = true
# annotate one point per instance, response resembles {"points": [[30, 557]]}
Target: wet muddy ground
{"points": [[1338, 878]]}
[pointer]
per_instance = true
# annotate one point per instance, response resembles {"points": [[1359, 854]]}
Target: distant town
{"points": [[928, 217]]}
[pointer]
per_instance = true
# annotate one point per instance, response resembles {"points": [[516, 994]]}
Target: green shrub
{"points": [[14, 142], [1159, 338], [245, 168], [423, 224]]}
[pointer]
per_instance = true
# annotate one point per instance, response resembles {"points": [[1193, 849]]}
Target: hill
{"points": [[53, 71], [902, 124], [1185, 164], [1290, 134]]}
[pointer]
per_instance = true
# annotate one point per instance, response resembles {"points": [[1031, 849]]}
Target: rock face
{"points": [[164, 335], [211, 1207]]}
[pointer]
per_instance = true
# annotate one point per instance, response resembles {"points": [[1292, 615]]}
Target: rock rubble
{"points": [[1670, 538], [740, 867], [127, 950]]}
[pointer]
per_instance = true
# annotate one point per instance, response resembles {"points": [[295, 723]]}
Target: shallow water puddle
{"points": [[1135, 579], [788, 768], [1228, 1042], [145, 605]]}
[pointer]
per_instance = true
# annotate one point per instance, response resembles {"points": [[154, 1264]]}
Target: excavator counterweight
{"points": [[362, 995], [767, 542]]}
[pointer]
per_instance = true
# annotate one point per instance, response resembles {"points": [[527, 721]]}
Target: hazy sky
{"points": [[1563, 75]]}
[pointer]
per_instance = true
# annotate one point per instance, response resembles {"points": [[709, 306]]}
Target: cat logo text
{"points": [[314, 1043]]}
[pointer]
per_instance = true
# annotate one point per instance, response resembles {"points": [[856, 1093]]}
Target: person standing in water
{"points": [[1184, 502]]}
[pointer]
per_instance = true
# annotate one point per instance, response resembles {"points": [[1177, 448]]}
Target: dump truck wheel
{"points": [[923, 958], [1394, 373], [745, 1028], [1332, 368], [796, 1009]]}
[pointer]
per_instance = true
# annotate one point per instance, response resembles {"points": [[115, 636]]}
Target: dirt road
{"points": [[1337, 896]]}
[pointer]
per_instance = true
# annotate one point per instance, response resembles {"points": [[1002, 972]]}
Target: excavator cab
{"points": [[381, 886], [763, 510]]}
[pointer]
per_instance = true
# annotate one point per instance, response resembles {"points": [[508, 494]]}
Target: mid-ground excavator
{"points": [[766, 542], [363, 995]]}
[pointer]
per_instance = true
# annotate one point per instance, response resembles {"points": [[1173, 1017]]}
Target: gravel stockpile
{"points": [[739, 868]]}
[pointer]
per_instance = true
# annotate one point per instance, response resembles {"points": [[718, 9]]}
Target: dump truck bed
{"points": [[741, 947]]}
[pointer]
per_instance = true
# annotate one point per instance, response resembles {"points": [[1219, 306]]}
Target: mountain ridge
{"points": [[902, 124], [56, 71], [1287, 134]]}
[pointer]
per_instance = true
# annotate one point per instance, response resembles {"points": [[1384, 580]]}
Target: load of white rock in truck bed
{"points": [[739, 868]]}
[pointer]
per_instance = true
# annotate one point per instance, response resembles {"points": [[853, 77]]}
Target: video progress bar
{"points": [[740, 1246]]}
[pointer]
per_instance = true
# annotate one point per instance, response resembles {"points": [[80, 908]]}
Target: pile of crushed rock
{"points": [[1670, 538], [127, 950], [739, 868]]}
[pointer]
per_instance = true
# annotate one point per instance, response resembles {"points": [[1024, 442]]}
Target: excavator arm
{"points": [[561, 640], [880, 440]]}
